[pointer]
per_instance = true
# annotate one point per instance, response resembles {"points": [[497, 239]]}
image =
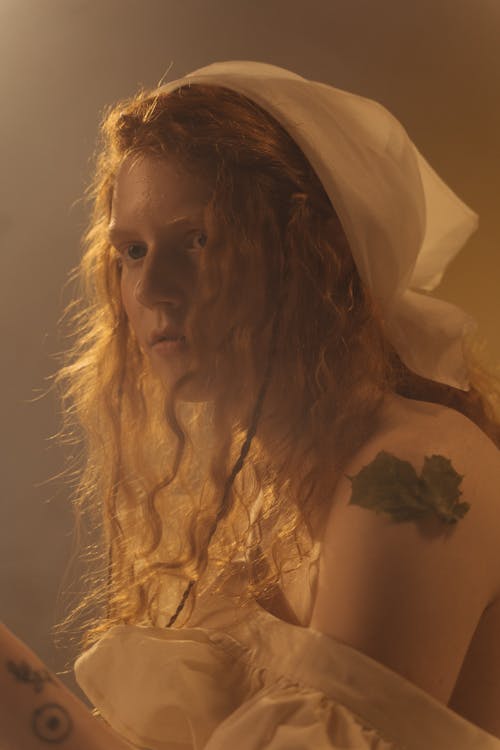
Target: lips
{"points": [[166, 334]]}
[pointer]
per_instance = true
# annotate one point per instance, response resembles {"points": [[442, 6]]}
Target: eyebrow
{"points": [[115, 232]]}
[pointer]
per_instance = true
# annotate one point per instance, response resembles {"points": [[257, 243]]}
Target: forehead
{"points": [[156, 188]]}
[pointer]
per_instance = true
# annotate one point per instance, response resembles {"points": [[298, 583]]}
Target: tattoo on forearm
{"points": [[52, 723], [24, 673]]}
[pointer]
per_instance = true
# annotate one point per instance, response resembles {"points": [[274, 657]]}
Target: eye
{"points": [[136, 250], [204, 237]]}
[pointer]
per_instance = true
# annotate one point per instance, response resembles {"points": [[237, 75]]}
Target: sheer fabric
{"points": [[403, 222], [241, 678]]}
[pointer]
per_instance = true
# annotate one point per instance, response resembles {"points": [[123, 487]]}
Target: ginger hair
{"points": [[152, 469]]}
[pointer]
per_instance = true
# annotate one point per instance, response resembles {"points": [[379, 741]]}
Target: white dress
{"points": [[242, 679]]}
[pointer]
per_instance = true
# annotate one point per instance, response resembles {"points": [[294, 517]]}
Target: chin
{"points": [[168, 374]]}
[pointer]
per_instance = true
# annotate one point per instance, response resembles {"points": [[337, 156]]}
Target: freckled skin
{"points": [[151, 199], [391, 485]]}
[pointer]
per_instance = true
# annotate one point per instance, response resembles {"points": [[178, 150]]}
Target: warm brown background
{"points": [[434, 63]]}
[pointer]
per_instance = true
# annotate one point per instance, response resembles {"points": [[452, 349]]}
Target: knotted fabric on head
{"points": [[403, 223]]}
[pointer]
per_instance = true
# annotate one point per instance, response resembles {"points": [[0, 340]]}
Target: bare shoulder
{"points": [[479, 459], [417, 431], [410, 593]]}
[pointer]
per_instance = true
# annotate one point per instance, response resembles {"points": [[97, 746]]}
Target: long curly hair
{"points": [[302, 366]]}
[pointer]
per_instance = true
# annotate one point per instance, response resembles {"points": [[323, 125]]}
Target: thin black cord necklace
{"points": [[250, 432]]}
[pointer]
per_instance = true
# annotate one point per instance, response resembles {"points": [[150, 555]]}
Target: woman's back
{"points": [[448, 607]]}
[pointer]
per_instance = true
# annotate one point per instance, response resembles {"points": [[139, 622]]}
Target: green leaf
{"points": [[390, 485], [442, 483]]}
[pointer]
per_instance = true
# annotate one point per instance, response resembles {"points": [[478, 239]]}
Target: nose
{"points": [[162, 278]]}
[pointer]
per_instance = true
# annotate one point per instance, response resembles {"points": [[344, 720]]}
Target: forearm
{"points": [[37, 711]]}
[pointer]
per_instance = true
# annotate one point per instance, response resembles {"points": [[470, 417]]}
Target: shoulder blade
{"points": [[410, 594]]}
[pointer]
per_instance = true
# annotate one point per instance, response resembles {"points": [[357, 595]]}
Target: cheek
{"points": [[130, 303]]}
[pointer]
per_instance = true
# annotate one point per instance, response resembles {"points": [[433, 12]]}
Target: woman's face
{"points": [[157, 224]]}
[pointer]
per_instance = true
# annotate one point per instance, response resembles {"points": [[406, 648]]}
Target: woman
{"points": [[293, 454]]}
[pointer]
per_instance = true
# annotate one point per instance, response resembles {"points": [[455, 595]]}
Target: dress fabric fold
{"points": [[242, 678]]}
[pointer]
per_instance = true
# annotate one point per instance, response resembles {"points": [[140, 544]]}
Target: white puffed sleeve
{"points": [[284, 716], [267, 685], [162, 689]]}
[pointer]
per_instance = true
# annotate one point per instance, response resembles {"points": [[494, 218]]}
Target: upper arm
{"points": [[410, 594]]}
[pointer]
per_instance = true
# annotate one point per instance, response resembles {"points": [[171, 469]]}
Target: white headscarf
{"points": [[403, 223]]}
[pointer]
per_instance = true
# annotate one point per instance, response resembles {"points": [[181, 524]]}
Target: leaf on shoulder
{"points": [[391, 485]]}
